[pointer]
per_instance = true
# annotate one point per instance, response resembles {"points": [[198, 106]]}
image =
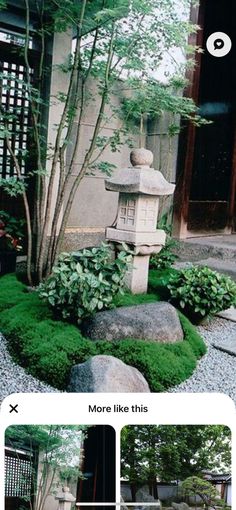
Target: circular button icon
{"points": [[219, 44]]}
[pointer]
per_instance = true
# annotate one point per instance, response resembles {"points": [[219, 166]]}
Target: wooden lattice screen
{"points": [[18, 475], [14, 100]]}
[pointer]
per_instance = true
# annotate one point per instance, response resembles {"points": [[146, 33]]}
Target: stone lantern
{"points": [[140, 188], [65, 499]]}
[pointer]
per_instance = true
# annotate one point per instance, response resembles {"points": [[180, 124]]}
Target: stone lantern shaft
{"points": [[140, 188]]}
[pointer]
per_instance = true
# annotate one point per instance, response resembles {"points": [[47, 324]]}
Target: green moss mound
{"points": [[48, 348]]}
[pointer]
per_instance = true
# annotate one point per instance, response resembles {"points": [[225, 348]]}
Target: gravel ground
{"points": [[216, 371], [14, 379]]}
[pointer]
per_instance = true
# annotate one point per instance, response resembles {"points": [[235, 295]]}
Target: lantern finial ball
{"points": [[141, 157]]}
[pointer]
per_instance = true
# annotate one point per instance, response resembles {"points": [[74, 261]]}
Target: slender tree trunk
{"points": [[133, 488], [27, 213], [87, 159], [35, 114], [56, 155], [79, 97]]}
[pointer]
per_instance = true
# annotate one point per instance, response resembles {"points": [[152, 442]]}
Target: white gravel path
{"points": [[14, 379], [216, 371]]}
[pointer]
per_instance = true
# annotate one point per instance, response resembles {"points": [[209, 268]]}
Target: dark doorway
{"points": [[206, 175], [212, 164], [98, 466]]}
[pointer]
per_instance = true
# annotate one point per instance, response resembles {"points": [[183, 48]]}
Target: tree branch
{"points": [[56, 154]]}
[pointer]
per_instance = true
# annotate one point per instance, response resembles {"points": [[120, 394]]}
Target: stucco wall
{"points": [[94, 208], [93, 205]]}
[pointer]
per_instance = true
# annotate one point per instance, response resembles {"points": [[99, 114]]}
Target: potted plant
{"points": [[10, 241]]}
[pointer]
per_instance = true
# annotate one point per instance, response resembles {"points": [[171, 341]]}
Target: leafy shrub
{"points": [[166, 257], [85, 282], [48, 348], [200, 292]]}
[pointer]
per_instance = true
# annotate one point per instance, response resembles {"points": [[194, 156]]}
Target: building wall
{"points": [[165, 493], [229, 495], [94, 208]]}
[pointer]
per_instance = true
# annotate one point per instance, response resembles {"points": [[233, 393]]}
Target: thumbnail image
{"points": [[58, 466], [178, 467]]}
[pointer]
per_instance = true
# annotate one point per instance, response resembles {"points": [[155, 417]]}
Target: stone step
{"points": [[229, 347], [221, 247], [229, 314]]}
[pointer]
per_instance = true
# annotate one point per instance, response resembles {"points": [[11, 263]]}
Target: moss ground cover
{"points": [[158, 281], [47, 348]]}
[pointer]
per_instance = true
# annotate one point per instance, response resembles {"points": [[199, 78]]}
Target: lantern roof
{"points": [[140, 178]]}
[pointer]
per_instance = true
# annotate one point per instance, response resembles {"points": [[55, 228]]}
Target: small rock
{"points": [[106, 374], [153, 321]]}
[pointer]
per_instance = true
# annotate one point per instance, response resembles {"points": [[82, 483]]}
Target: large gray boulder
{"points": [[126, 493], [123, 506], [153, 321], [142, 496], [106, 374], [180, 506]]}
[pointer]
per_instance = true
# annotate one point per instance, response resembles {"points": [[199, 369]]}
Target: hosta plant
{"points": [[85, 282], [200, 291]]}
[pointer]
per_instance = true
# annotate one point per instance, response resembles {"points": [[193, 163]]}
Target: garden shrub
{"points": [[85, 282], [166, 257], [48, 348], [200, 291]]}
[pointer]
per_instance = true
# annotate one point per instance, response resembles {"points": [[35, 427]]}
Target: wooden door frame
{"points": [[187, 137], [232, 198], [187, 141]]}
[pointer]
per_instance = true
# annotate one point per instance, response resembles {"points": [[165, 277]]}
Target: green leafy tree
{"points": [[59, 449], [172, 453], [119, 45]]}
